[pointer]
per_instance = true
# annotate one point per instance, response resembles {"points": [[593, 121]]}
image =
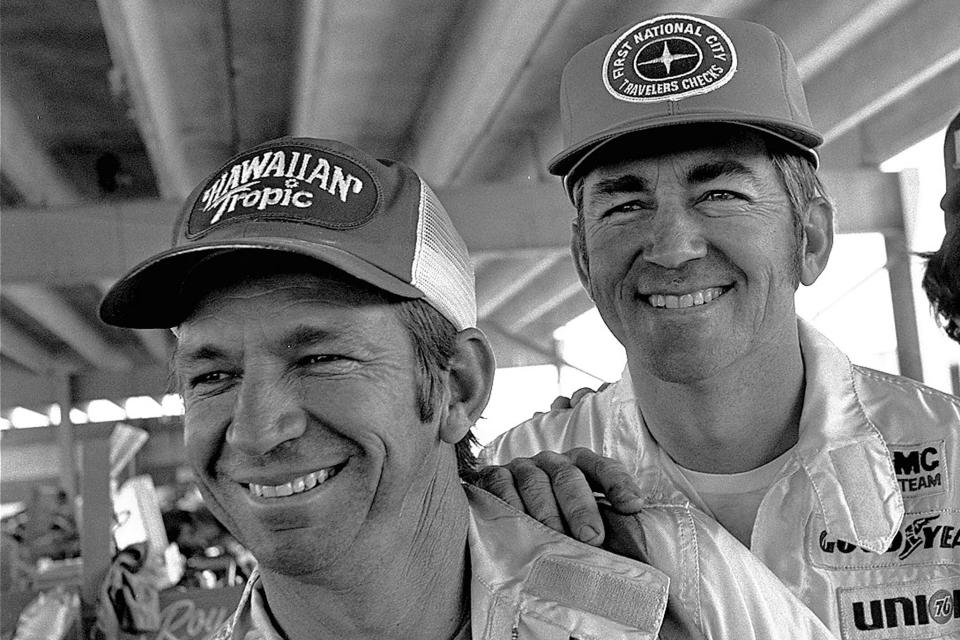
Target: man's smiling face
{"points": [[301, 418], [692, 256]]}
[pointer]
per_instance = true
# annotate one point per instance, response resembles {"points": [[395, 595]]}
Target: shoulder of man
{"points": [[558, 430], [921, 429], [899, 406]]}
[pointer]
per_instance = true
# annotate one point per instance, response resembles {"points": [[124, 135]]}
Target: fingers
{"points": [[610, 477], [499, 481], [579, 395], [571, 495], [558, 490], [533, 485], [563, 402]]}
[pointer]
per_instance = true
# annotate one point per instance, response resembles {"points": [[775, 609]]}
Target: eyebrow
{"points": [[712, 170], [183, 357], [605, 188], [300, 335], [627, 183]]}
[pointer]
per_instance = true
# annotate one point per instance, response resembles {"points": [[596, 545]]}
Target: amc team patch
{"points": [[924, 609], [669, 58], [921, 468]]}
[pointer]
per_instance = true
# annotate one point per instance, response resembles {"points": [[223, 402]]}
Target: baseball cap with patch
{"points": [[675, 69], [951, 165], [376, 220]]}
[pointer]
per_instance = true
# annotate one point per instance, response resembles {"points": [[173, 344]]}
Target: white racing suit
{"points": [[863, 522], [532, 583]]}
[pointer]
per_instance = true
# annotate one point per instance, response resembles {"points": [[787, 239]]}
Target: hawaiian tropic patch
{"points": [[294, 182], [923, 609], [921, 468], [669, 57], [924, 538]]}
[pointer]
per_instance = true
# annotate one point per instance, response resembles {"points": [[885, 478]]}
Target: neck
{"points": [[411, 581], [738, 419]]}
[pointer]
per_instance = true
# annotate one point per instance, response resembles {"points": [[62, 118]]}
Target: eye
{"points": [[630, 206], [319, 358], [209, 378], [722, 195]]}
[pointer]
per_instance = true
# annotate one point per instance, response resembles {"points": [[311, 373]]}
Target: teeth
{"points": [[695, 299], [297, 485]]}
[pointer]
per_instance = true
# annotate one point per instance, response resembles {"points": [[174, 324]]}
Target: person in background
{"points": [[691, 160], [941, 279], [331, 370]]}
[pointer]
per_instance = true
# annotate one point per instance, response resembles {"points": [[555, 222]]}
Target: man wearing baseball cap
{"points": [[941, 280], [331, 371], [691, 160]]}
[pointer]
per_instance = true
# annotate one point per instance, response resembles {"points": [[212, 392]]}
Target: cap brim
{"points": [[569, 160], [148, 297]]}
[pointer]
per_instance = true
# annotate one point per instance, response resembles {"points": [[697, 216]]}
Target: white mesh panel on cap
{"points": [[441, 264]]}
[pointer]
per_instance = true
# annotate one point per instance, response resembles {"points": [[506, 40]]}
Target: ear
{"points": [[817, 239], [579, 259], [470, 383]]}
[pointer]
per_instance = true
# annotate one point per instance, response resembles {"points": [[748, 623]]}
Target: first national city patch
{"points": [[670, 57]]}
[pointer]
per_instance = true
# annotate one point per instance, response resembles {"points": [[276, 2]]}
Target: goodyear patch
{"points": [[292, 182], [911, 610], [924, 538], [921, 468], [670, 57]]}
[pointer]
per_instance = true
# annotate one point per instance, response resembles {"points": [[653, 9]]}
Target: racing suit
{"points": [[530, 582], [863, 521]]}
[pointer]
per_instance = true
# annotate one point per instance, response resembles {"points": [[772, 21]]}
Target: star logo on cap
{"points": [[667, 57]]}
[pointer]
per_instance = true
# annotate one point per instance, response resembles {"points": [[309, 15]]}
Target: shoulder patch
{"points": [[921, 468], [670, 57], [904, 611]]}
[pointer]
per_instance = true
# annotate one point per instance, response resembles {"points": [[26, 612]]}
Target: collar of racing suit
{"points": [[841, 451]]}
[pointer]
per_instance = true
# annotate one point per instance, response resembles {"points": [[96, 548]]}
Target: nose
{"points": [[675, 238], [266, 415]]}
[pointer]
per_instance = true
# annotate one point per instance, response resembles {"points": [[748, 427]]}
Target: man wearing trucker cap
{"points": [[331, 371], [941, 280], [690, 158]]}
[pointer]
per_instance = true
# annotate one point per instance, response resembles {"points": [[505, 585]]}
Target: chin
{"points": [[293, 560], [684, 367]]}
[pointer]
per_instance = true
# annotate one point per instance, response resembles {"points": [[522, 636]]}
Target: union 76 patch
{"points": [[669, 58]]}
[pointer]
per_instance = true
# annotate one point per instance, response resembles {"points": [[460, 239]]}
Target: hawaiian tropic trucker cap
{"points": [[678, 69], [376, 220], [951, 165]]}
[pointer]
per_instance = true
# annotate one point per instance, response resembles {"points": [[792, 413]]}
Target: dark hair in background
{"points": [[941, 281]]}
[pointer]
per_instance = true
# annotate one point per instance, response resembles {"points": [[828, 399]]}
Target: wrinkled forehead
{"points": [[236, 296], [217, 284], [699, 140]]}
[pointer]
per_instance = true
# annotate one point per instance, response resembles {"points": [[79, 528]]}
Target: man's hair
{"points": [[434, 338], [941, 281], [797, 175]]}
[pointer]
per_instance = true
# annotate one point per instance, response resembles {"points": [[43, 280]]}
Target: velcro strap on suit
{"points": [[630, 602]]}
